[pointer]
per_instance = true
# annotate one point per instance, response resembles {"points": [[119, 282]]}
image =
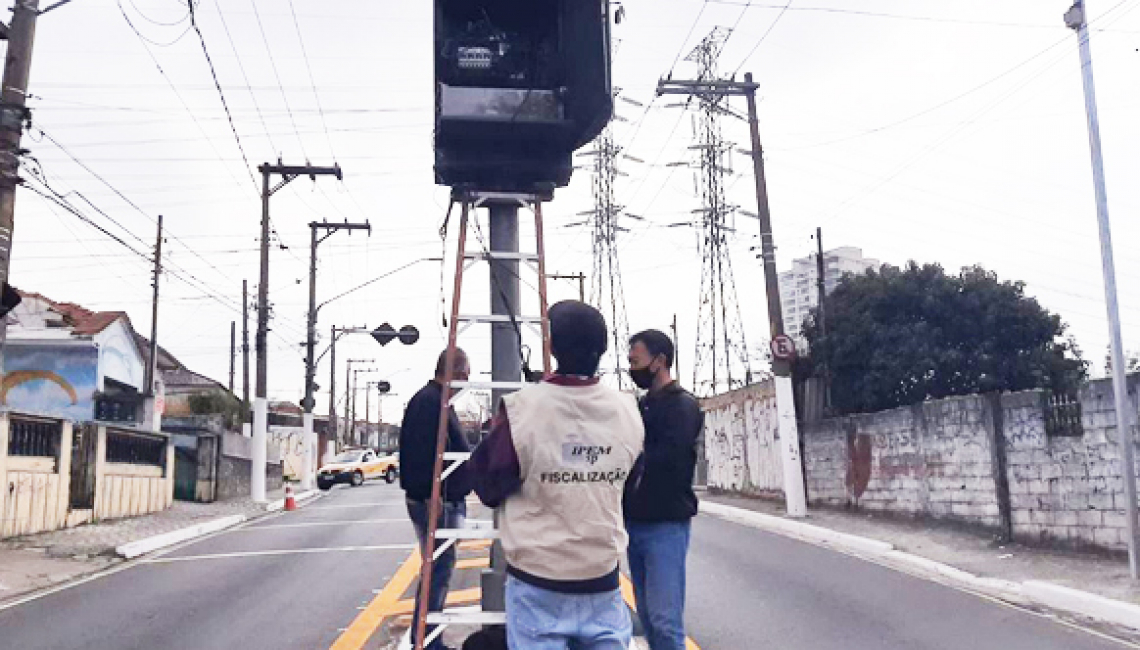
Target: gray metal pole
{"points": [[233, 353], [152, 362], [245, 351], [308, 447], [1077, 20], [331, 433], [261, 343], [506, 362]]}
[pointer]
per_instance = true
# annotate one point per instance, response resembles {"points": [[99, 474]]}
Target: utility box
{"points": [[520, 85]]}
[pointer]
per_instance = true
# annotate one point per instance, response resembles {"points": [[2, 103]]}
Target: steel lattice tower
{"points": [[606, 291], [721, 351]]}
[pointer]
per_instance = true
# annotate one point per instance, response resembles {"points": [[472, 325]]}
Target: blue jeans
{"points": [[657, 568], [538, 619], [453, 516]]}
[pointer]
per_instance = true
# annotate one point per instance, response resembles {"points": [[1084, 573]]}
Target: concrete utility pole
{"points": [[1077, 20], [580, 277], [13, 116], [350, 399], [233, 352], [244, 351], [261, 404], [821, 286], [152, 418], [309, 402], [795, 494], [333, 426]]}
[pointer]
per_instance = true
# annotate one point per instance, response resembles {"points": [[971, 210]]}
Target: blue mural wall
{"points": [[53, 380]]}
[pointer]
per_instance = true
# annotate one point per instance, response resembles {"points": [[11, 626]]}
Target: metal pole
{"points": [[821, 285], [795, 494], [353, 433], [347, 440], [1077, 20], [506, 362], [13, 115], [310, 370], [676, 350], [152, 362], [260, 403], [367, 410], [330, 434]]}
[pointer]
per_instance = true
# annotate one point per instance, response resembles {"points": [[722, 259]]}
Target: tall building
{"points": [[799, 293]]}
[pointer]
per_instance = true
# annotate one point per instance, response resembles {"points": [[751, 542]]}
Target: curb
{"points": [[274, 506], [1029, 593], [131, 550], [134, 549]]}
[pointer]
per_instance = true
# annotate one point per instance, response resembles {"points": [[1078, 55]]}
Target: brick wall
{"points": [[741, 441]]}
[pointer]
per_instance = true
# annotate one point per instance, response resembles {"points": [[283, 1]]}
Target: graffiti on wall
{"points": [[53, 380], [742, 441]]}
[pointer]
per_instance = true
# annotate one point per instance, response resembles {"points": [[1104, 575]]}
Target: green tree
{"points": [[903, 336]]}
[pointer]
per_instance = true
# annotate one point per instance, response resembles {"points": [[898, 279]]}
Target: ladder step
{"points": [[466, 533], [490, 385], [501, 255], [500, 318], [466, 618], [460, 456]]}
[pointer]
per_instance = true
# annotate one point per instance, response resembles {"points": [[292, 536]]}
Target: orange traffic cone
{"points": [[290, 502]]}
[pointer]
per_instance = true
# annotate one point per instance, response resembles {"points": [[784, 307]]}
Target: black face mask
{"points": [[643, 377]]}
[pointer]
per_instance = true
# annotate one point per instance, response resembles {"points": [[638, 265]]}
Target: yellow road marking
{"points": [[367, 622], [627, 595]]}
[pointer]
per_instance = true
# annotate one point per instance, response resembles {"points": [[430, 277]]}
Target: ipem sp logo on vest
{"points": [[583, 463]]}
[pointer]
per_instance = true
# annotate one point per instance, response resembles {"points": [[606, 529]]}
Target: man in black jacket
{"points": [[659, 501], [418, 439]]}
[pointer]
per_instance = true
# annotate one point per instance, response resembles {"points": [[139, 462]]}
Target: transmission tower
{"points": [[606, 291], [721, 351]]}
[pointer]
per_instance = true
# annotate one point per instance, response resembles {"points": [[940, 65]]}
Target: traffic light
{"points": [[520, 85]]}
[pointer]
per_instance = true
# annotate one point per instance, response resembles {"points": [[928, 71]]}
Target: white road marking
{"points": [[249, 529], [389, 504], [289, 551]]}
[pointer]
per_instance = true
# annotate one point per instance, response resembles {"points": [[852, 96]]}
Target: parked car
{"points": [[355, 466]]}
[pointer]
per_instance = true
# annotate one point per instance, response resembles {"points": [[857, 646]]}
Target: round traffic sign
{"points": [[783, 348]]}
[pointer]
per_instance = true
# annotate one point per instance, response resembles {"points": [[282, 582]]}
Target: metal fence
{"points": [[1062, 415], [135, 448], [34, 437]]}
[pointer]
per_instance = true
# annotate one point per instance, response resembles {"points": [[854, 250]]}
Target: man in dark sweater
{"points": [[418, 439], [659, 501]]}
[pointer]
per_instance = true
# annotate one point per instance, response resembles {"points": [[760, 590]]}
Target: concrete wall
{"points": [[123, 490], [983, 460], [234, 468], [741, 441]]}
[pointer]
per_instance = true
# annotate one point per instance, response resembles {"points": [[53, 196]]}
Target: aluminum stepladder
{"points": [[475, 530]]}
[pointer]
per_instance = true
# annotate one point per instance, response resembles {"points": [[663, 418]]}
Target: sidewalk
{"points": [[39, 561], [972, 551]]}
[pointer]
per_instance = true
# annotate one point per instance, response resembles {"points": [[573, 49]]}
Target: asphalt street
{"points": [[292, 580], [300, 579]]}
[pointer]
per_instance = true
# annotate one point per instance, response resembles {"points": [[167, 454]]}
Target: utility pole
{"points": [[795, 494], [153, 419], [350, 397], [821, 285], [676, 349], [309, 402], [333, 427], [1077, 20], [244, 351], [233, 352], [580, 277], [13, 116], [261, 405]]}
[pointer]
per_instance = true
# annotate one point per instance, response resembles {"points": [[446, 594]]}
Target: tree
{"points": [[904, 336]]}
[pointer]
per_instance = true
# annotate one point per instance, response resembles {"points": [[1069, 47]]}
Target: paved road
{"points": [[297, 579], [282, 582], [753, 590]]}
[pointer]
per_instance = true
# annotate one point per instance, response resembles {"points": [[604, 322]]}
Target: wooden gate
{"points": [[84, 445]]}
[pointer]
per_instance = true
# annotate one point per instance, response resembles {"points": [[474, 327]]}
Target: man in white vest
{"points": [[555, 463]]}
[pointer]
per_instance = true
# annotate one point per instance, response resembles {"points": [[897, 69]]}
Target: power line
{"points": [[221, 94], [277, 75], [312, 82], [764, 37], [244, 76]]}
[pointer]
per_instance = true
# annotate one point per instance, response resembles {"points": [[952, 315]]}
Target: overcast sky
{"points": [[948, 132]]}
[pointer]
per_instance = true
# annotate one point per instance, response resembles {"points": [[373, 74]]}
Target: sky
{"points": [[916, 130]]}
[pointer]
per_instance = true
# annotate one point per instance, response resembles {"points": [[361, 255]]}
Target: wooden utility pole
{"points": [[261, 342], [13, 116], [708, 90]]}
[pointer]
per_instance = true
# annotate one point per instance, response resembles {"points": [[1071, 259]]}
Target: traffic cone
{"points": [[290, 502]]}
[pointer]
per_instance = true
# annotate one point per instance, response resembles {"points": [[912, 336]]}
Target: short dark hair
{"points": [[657, 342], [441, 363], [578, 337]]}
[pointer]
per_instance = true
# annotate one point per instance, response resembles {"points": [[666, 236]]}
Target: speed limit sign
{"points": [[783, 348]]}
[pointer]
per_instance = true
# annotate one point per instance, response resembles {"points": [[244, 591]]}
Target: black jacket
{"points": [[660, 487], [418, 444]]}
